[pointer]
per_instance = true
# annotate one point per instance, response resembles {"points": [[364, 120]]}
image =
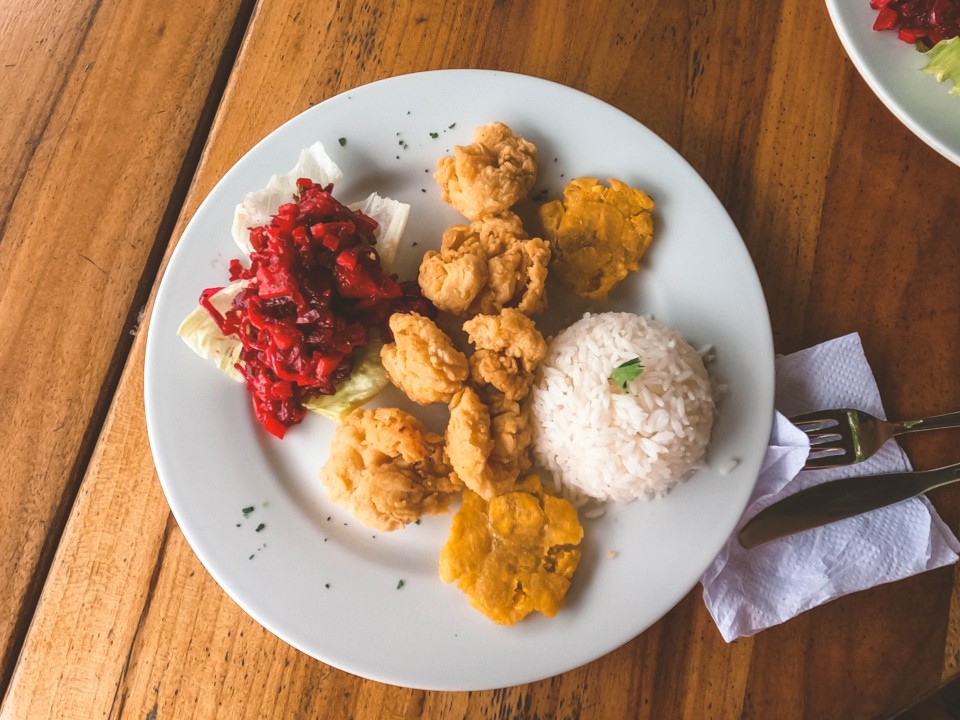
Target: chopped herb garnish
{"points": [[247, 510], [625, 372], [250, 558], [327, 585], [399, 584], [260, 527], [417, 521], [423, 189], [342, 141], [451, 126], [415, 243], [434, 135]]}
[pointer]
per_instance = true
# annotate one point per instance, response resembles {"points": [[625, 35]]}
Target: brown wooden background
{"points": [[118, 116]]}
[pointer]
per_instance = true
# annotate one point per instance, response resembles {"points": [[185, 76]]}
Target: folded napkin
{"points": [[747, 591]]}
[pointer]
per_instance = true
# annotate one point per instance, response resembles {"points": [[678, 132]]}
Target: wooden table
{"points": [[119, 117]]}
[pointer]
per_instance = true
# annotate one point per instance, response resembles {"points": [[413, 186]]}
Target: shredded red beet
{"points": [[315, 291], [923, 21]]}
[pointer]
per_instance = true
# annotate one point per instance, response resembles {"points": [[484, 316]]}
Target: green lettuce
{"points": [[944, 63], [366, 379], [202, 334]]}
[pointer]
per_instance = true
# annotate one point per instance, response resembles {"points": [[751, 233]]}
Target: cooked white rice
{"points": [[609, 444]]}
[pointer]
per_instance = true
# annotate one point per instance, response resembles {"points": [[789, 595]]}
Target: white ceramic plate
{"points": [[894, 71], [327, 585]]}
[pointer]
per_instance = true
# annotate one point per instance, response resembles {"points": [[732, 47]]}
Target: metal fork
{"points": [[845, 436]]}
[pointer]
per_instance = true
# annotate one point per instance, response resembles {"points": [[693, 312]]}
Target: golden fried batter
{"points": [[422, 360], [488, 445], [486, 266], [489, 176], [512, 433], [387, 470], [509, 349], [515, 554], [597, 234]]}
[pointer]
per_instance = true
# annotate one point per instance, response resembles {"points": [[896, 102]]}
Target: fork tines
{"points": [[828, 447]]}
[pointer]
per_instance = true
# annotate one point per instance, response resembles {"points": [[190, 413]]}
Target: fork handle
{"points": [[938, 422]]}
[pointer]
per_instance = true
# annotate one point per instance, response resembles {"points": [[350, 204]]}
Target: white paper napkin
{"points": [[747, 591]]}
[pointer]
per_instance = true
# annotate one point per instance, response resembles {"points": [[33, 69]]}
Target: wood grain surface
{"points": [[850, 220], [96, 157]]}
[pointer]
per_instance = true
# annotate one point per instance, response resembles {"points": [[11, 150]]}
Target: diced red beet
{"points": [[923, 21], [315, 290]]}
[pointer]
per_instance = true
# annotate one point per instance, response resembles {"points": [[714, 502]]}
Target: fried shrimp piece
{"points": [[598, 234], [387, 470], [515, 554], [512, 433], [468, 444], [509, 350], [488, 444], [422, 360], [486, 266], [489, 176]]}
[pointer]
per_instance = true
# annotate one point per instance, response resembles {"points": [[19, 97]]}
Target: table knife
{"points": [[840, 499]]}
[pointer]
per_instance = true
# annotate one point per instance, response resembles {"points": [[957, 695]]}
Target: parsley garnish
{"points": [[399, 584], [451, 126], [342, 141], [247, 510], [434, 135], [625, 372], [260, 527]]}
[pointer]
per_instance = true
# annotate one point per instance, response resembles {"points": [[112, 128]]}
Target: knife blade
{"points": [[840, 499]]}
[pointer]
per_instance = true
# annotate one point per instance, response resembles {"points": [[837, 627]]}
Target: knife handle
{"points": [[840, 499]]}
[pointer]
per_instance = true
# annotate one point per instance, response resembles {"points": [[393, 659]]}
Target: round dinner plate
{"points": [[370, 602], [894, 71]]}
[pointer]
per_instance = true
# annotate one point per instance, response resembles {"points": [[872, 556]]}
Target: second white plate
{"points": [[894, 71]]}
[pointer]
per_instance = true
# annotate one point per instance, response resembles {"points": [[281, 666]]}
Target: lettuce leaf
{"points": [[258, 207], [202, 334], [367, 379], [944, 63], [391, 216]]}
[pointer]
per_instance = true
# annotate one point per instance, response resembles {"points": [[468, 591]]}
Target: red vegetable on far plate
{"points": [[919, 21]]}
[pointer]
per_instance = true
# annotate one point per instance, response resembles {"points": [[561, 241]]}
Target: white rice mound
{"points": [[608, 444]]}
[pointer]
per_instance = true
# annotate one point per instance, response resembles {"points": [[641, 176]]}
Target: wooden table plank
{"points": [[40, 47], [96, 145], [764, 104]]}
